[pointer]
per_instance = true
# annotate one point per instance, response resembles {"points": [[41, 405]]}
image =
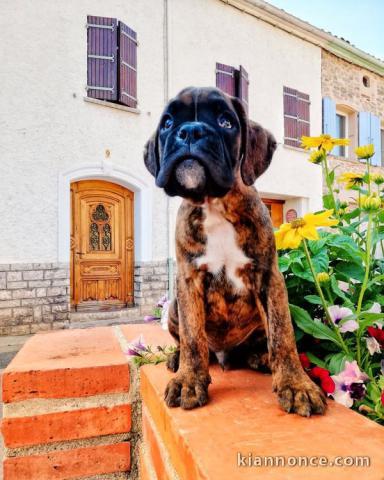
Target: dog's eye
{"points": [[224, 121], [167, 122]]}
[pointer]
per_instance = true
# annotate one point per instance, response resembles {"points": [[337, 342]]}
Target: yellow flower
{"points": [[322, 277], [370, 203], [317, 156], [351, 179], [324, 142], [290, 235], [365, 151], [377, 178]]}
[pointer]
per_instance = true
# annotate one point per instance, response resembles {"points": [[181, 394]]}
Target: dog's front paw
{"points": [[301, 396], [187, 390], [173, 360]]}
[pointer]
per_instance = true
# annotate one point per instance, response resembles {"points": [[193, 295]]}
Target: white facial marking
{"points": [[222, 249]]}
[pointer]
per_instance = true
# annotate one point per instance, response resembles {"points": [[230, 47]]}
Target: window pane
{"points": [[340, 133]]}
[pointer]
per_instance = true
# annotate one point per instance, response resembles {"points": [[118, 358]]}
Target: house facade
{"points": [[84, 230], [353, 107]]}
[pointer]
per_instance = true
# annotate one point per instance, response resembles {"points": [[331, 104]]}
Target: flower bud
{"points": [[322, 277]]}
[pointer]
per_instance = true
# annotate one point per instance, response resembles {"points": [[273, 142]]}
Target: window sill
{"points": [[117, 106], [296, 149]]}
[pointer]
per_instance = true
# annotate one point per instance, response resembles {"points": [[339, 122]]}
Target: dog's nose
{"points": [[191, 132]]}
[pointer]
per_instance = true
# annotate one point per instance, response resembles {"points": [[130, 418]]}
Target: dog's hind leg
{"points": [[173, 327]]}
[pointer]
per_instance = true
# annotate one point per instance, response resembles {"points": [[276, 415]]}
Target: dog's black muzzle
{"points": [[194, 163]]}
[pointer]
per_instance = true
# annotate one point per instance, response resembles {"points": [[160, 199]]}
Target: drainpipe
{"points": [[166, 98]]}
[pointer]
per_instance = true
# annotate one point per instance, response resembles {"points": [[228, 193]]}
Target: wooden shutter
{"points": [[102, 58], [127, 66], [225, 78], [243, 86], [369, 132], [329, 116], [290, 117], [303, 120]]}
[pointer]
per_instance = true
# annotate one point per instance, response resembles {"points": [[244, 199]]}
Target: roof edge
{"points": [[304, 30]]}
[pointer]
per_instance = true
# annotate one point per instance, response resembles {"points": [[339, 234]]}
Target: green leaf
{"points": [[301, 272], [314, 299], [284, 263], [350, 270], [327, 201], [337, 361], [378, 278], [316, 329], [315, 360], [321, 261], [366, 319]]}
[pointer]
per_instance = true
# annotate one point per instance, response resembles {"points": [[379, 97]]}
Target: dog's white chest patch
{"points": [[222, 249]]}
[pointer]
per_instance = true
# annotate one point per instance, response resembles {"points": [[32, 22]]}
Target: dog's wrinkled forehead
{"points": [[193, 102]]}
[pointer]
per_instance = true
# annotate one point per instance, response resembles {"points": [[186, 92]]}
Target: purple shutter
{"points": [[303, 119], [102, 58], [243, 86], [225, 78], [127, 65], [290, 117]]}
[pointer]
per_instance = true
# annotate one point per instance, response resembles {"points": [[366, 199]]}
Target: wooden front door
{"points": [[275, 208], [101, 245]]}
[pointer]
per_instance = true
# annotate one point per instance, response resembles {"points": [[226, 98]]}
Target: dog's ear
{"points": [[151, 155], [257, 146]]}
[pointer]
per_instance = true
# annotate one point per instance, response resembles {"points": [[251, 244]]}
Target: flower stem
{"points": [[329, 184], [364, 284], [323, 301], [367, 264]]}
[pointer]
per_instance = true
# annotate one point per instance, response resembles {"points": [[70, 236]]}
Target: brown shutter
{"points": [[225, 78], [102, 59], [303, 119], [290, 117], [243, 86], [127, 65]]}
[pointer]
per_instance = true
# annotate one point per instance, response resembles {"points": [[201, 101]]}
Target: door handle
{"points": [[79, 253]]}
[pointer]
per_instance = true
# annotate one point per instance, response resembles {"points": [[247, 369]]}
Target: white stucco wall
{"points": [[273, 59], [46, 126], [48, 130]]}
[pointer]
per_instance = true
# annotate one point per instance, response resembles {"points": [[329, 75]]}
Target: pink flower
{"points": [[136, 347], [338, 313], [373, 345], [349, 384], [162, 301]]}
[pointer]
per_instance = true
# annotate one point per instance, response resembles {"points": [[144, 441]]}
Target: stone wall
{"points": [[36, 296], [33, 297], [151, 283], [343, 82]]}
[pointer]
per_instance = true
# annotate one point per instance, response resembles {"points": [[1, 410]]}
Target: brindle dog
{"points": [[231, 298]]}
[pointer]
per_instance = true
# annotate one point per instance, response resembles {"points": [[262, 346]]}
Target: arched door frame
{"points": [[106, 171]]}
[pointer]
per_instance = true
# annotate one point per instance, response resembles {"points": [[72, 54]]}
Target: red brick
{"points": [[155, 450], [71, 363], [243, 416], [68, 464], [61, 426]]}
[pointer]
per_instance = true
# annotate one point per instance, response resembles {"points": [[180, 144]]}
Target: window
{"points": [[111, 61], [234, 82], [341, 132], [382, 145], [296, 116], [341, 121], [370, 132]]}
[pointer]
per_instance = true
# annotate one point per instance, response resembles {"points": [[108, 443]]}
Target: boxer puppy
{"points": [[231, 299]]}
